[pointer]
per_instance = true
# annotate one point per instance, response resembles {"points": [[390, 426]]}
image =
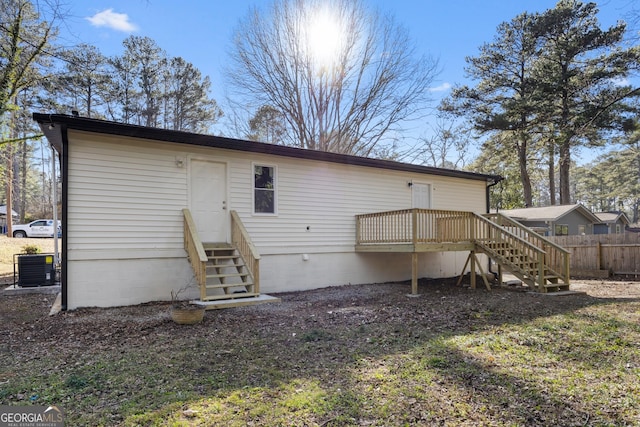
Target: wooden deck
{"points": [[537, 261]]}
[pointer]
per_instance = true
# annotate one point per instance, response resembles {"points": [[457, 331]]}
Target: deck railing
{"points": [[242, 241], [490, 232], [195, 252], [556, 257], [414, 226], [494, 239]]}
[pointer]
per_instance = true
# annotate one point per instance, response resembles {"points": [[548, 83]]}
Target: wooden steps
{"points": [[521, 264], [227, 276]]}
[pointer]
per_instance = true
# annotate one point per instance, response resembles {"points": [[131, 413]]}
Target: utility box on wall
{"points": [[36, 270]]}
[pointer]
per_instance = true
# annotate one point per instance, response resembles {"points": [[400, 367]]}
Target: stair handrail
{"points": [[536, 252], [243, 243], [557, 257], [195, 251]]}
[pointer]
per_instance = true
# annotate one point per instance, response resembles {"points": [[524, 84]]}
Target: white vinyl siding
{"points": [[318, 203], [123, 196], [127, 194], [125, 225]]}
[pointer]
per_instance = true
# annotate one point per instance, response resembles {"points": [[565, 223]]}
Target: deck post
{"points": [[414, 228], [414, 273], [541, 278], [472, 256]]}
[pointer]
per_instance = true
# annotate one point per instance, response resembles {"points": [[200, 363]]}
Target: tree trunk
{"points": [[564, 169], [22, 190], [552, 173], [524, 174], [9, 203]]}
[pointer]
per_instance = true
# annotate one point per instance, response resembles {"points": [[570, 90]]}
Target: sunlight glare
{"points": [[324, 38]]}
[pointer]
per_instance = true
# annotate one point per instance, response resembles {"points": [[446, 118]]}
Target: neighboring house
{"points": [[125, 188], [559, 220], [611, 223], [3, 218]]}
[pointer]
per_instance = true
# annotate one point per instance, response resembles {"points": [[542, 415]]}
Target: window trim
{"points": [[253, 189], [555, 229]]}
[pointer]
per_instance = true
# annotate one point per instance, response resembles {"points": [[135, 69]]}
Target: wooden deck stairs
{"points": [[524, 267], [537, 262], [228, 274]]}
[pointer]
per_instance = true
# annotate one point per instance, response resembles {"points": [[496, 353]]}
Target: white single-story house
{"points": [[132, 197]]}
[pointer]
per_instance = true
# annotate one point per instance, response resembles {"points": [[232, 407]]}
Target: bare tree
{"points": [[343, 78], [266, 125], [447, 147]]}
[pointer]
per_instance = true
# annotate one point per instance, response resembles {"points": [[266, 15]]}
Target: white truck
{"points": [[37, 228]]}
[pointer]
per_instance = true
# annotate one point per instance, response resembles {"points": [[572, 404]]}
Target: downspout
{"points": [[54, 192], [496, 180], [65, 214]]}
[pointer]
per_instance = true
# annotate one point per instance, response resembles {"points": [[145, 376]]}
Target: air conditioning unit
{"points": [[36, 270]]}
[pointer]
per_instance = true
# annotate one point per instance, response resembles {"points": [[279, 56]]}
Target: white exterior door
{"points": [[421, 194], [209, 200]]}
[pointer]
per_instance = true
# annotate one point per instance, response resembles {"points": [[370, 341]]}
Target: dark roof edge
{"points": [[121, 129]]}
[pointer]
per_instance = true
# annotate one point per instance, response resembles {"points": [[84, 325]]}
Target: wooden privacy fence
{"points": [[615, 253]]}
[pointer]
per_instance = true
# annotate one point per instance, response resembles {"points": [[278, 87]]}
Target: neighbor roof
{"points": [[612, 217], [548, 213], [3, 211], [52, 126]]}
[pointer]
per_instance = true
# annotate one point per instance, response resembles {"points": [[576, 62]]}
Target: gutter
{"points": [[495, 182]]}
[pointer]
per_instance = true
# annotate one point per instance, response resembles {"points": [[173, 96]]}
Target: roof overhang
{"points": [[51, 125]]}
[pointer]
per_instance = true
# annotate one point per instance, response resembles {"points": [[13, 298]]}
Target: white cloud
{"points": [[442, 88], [110, 19]]}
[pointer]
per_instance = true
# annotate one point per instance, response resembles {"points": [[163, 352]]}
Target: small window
{"points": [[264, 189], [618, 229], [581, 230], [561, 230]]}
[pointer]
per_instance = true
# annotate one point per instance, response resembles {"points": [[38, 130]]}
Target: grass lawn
{"points": [[10, 246], [341, 356]]}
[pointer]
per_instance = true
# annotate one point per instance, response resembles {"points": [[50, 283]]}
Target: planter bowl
{"points": [[187, 315]]}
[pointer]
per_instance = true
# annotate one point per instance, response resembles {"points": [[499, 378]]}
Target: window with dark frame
{"points": [[264, 189], [561, 230]]}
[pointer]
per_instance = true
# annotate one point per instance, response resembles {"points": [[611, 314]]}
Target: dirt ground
{"points": [[61, 349], [26, 317]]}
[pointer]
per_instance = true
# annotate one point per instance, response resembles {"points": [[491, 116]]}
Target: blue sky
{"points": [[200, 31]]}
